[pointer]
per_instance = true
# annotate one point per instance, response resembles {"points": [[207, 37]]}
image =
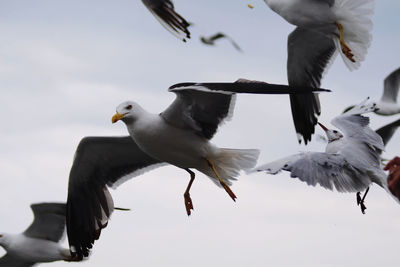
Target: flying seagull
{"points": [[351, 161], [40, 242], [211, 40], [179, 136], [388, 105], [164, 12], [347, 22]]}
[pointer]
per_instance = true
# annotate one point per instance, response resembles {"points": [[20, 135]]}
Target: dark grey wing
{"points": [[163, 11], [49, 221], [99, 162], [391, 87], [11, 261], [331, 171], [309, 54], [198, 108], [387, 131], [201, 107]]}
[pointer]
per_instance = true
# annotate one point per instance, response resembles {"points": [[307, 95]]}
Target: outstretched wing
{"points": [[99, 162], [331, 171], [201, 107], [386, 132], [391, 87], [11, 261], [309, 55], [164, 12], [49, 221]]}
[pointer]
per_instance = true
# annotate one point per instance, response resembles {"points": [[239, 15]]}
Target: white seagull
{"points": [[351, 161], [179, 136], [388, 105], [347, 22], [40, 242], [324, 28], [164, 12]]}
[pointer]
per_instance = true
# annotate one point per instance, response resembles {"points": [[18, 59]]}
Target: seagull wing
{"points": [[163, 11], [309, 55], [355, 127], [386, 132], [199, 108], [391, 87], [48, 223], [331, 171], [99, 162], [202, 107], [11, 261]]}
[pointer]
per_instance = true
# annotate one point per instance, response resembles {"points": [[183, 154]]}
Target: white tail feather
{"points": [[355, 17], [229, 163]]}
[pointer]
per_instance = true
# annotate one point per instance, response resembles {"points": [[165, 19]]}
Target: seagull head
{"points": [[127, 111], [332, 135]]}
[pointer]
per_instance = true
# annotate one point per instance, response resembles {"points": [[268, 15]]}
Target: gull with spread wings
{"points": [[40, 241], [179, 136], [351, 161]]}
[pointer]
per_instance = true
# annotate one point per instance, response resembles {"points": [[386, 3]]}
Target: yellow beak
{"points": [[117, 117]]}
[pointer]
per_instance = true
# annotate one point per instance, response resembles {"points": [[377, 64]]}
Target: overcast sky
{"points": [[66, 65]]}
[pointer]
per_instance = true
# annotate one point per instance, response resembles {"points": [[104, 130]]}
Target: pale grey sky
{"points": [[66, 65]]}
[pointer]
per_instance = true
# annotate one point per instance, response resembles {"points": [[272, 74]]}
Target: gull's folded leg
{"points": [[186, 195], [345, 48], [224, 185]]}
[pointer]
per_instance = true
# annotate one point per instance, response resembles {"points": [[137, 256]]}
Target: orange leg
{"points": [[186, 195], [224, 185], [345, 48]]}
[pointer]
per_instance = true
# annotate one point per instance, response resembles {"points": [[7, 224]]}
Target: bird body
{"points": [[307, 14], [347, 22], [154, 136], [351, 161], [33, 249], [387, 108], [180, 147], [40, 241]]}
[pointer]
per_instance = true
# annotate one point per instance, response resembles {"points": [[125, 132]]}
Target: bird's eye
{"points": [[334, 131], [129, 107]]}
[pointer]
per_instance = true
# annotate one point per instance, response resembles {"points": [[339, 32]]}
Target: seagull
{"points": [[179, 136], [211, 40], [40, 242], [164, 12], [347, 22], [351, 161], [387, 105]]}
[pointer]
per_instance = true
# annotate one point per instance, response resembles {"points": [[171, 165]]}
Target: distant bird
{"points": [[388, 105], [211, 40], [347, 22], [179, 136], [164, 12], [40, 242], [350, 163], [324, 28]]}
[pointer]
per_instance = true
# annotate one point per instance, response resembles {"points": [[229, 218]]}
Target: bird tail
{"points": [[229, 162], [355, 17]]}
